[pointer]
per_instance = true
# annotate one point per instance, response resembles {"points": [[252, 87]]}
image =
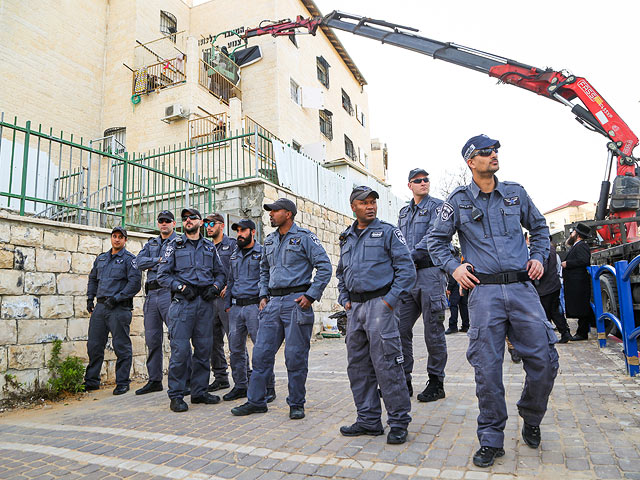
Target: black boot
{"points": [[434, 390], [150, 387], [486, 456]]}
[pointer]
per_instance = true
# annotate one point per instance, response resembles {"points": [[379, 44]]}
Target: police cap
{"points": [[477, 143], [244, 223], [190, 211], [121, 230], [417, 171], [362, 192], [281, 203]]}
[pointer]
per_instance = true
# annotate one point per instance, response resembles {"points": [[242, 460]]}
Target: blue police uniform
{"points": [[225, 249], [505, 302], [195, 264], [428, 297], [112, 276], [242, 299], [156, 303], [285, 273], [375, 265]]}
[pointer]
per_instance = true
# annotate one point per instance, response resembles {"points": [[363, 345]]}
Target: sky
{"points": [[426, 109]]}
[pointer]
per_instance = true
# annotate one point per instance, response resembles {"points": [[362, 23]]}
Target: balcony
{"points": [[205, 130], [159, 75]]}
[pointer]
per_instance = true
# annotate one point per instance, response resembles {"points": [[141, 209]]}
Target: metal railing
{"points": [[159, 75], [208, 129], [216, 83]]}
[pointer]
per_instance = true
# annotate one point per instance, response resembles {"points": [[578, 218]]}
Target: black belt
{"points": [[243, 302], [364, 296], [152, 285], [281, 292], [424, 263], [502, 277], [127, 302]]}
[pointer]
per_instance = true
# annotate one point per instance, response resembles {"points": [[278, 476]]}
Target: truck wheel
{"points": [[609, 304]]}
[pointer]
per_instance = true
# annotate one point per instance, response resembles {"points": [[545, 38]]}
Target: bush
{"points": [[66, 375]]}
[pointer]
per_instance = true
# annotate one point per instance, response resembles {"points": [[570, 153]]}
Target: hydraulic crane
{"points": [[593, 112]]}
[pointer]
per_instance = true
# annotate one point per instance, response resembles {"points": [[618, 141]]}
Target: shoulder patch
{"points": [[399, 236], [446, 211], [168, 251], [134, 264], [315, 239]]}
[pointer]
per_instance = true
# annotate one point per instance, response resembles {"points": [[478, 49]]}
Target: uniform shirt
{"points": [[225, 249], [376, 258], [151, 255], [493, 243], [289, 262], [114, 276], [196, 265], [414, 221], [244, 273]]}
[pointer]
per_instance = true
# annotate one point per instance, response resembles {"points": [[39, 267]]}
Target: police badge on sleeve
{"points": [[399, 236], [446, 211]]}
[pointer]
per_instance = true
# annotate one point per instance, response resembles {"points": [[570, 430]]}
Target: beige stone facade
{"points": [[570, 212]]}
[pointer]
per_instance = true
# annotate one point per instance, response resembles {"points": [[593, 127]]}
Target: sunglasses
{"points": [[418, 181], [190, 217], [211, 224], [485, 152], [164, 220]]}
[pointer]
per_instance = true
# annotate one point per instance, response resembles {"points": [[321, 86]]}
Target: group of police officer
{"points": [[388, 276]]}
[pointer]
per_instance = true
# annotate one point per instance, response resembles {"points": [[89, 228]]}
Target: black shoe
{"points": [[296, 413], [531, 435], [397, 435], [356, 430], [565, 337], [271, 395], [579, 338], [247, 409], [235, 394], [178, 405], [464, 329], [206, 398], [515, 358], [410, 388], [486, 455], [120, 389], [218, 385], [150, 387], [433, 392], [450, 330], [89, 388]]}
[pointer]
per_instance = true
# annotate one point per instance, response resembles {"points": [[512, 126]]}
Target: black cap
{"points": [[166, 214], [362, 192], [281, 203], [416, 171], [583, 230], [244, 223], [121, 230], [190, 211]]}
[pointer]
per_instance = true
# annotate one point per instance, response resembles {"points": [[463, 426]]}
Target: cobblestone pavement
{"points": [[592, 430]]}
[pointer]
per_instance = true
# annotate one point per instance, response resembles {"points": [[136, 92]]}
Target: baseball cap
{"points": [[190, 211], [477, 143], [281, 203], [362, 192], [121, 230], [416, 171], [166, 214], [244, 223], [215, 217]]}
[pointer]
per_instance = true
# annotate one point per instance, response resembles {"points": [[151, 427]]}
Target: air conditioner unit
{"points": [[174, 112]]}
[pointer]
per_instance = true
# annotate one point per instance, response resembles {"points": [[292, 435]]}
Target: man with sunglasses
{"points": [[498, 271], [290, 256], [428, 296], [157, 299], [214, 224], [192, 271]]}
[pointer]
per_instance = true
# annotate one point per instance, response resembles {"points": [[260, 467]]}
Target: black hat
{"points": [[121, 230], [477, 143], [416, 171], [190, 211], [167, 215], [244, 223], [362, 192], [281, 203], [583, 230]]}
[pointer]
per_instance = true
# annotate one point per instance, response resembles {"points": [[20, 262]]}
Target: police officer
{"points": [[114, 280], [428, 296], [214, 223], [192, 271], [289, 257], [157, 301], [375, 268], [488, 214], [241, 301]]}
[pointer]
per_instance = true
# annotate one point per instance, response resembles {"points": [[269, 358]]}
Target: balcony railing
{"points": [[208, 129], [159, 75], [217, 83]]}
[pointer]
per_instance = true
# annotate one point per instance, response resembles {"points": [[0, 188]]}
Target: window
{"points": [[292, 39], [115, 140], [168, 25], [295, 91], [346, 103], [348, 149], [360, 116], [323, 71], [326, 126], [296, 146]]}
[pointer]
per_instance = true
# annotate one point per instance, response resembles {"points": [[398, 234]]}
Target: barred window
{"points": [[295, 91], [323, 71], [168, 25], [349, 150], [346, 103], [326, 126]]}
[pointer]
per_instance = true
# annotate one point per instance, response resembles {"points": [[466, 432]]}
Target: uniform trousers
{"points": [[220, 329]]}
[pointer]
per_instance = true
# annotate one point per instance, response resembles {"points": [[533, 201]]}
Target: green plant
{"points": [[66, 375]]}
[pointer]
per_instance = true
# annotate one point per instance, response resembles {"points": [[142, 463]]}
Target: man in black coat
{"points": [[548, 288], [577, 282]]}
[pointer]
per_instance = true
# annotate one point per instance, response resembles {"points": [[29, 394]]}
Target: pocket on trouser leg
{"points": [[303, 317], [553, 353], [438, 303], [392, 348], [472, 350]]}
